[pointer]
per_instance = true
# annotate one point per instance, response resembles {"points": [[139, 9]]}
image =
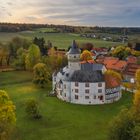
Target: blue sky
{"points": [[72, 12]]}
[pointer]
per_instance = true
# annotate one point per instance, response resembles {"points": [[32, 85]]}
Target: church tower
{"points": [[74, 57]]}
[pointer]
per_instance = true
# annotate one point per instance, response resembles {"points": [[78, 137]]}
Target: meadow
{"points": [[60, 40], [61, 120]]}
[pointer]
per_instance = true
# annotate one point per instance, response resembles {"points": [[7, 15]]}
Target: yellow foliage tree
{"points": [[136, 101], [114, 74], [135, 53], [86, 55], [137, 77], [33, 57], [7, 116], [41, 74]]}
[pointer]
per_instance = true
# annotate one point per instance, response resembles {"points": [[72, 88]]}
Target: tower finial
{"points": [[74, 45]]}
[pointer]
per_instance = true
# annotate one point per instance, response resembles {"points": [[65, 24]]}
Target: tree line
{"points": [[16, 27]]}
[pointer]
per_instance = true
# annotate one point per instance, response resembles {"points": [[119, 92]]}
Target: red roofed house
{"points": [[132, 59], [130, 71], [114, 63]]}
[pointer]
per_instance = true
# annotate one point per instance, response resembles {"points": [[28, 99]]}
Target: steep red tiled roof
{"points": [[131, 69]]}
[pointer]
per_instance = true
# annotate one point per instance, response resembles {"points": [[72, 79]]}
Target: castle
{"points": [[84, 83]]}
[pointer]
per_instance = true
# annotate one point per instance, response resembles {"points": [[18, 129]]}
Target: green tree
{"points": [[7, 116], [17, 43], [19, 62], [32, 109], [40, 42], [33, 56], [41, 75]]}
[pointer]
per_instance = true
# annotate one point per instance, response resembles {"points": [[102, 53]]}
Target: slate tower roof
{"points": [[74, 48]]}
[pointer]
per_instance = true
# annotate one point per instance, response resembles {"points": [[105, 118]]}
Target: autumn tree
{"points": [[86, 55], [126, 125], [7, 116], [41, 74], [137, 77], [122, 126], [4, 55], [55, 61], [121, 52], [33, 56]]}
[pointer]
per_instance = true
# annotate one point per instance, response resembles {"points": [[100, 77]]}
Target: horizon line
{"points": [[70, 25]]}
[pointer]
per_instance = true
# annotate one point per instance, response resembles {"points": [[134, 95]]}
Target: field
{"points": [[61, 120], [61, 40]]}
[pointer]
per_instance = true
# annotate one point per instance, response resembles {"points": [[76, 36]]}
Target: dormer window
{"points": [[67, 74], [99, 84], [76, 84]]}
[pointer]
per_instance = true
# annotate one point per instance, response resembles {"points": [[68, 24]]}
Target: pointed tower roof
{"points": [[74, 48]]}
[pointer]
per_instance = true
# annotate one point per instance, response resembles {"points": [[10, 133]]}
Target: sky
{"points": [[120, 13]]}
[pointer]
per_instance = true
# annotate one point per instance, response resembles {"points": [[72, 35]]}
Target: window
{"points": [[65, 94], [74, 56], [100, 97], [64, 86], [86, 97], [67, 74], [94, 97], [76, 84], [55, 79], [59, 85], [76, 90], [86, 91], [76, 97], [99, 84], [99, 90], [86, 84]]}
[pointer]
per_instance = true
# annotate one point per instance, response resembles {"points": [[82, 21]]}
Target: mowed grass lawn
{"points": [[60, 40], [61, 120]]}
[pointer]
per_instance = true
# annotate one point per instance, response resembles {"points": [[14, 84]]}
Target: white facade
{"points": [[73, 61], [86, 93]]}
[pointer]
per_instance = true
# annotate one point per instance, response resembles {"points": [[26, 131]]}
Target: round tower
{"points": [[74, 57]]}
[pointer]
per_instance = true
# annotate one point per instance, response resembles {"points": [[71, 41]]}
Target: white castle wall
{"points": [[93, 92]]}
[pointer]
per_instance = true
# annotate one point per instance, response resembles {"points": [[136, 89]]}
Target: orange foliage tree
{"points": [[86, 55]]}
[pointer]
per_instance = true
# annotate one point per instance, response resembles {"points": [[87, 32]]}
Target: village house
{"points": [[100, 51], [84, 83], [130, 71], [112, 63]]}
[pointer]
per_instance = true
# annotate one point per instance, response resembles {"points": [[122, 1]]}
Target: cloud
{"points": [[75, 12]]}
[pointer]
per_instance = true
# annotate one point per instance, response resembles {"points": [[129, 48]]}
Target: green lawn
{"points": [[61, 40], [61, 120]]}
